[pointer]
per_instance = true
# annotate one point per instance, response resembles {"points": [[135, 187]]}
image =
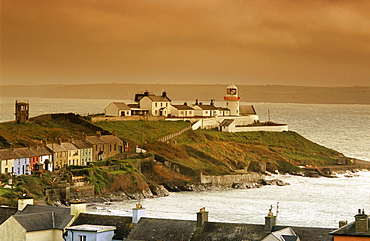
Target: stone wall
{"points": [[226, 180]]}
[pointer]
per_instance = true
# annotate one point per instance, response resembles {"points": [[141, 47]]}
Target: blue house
{"points": [[22, 163]]}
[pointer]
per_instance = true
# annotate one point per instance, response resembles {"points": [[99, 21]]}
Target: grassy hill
{"points": [[207, 151]]}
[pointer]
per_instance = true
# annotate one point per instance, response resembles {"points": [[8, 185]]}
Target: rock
{"points": [[159, 191]]}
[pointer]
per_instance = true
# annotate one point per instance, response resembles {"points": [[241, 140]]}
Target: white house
{"points": [[88, 232], [182, 110], [117, 109], [157, 105], [201, 110]]}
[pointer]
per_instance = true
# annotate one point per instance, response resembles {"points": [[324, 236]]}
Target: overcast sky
{"points": [[310, 43]]}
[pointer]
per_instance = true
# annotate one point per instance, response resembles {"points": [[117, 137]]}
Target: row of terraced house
{"points": [[56, 155]]}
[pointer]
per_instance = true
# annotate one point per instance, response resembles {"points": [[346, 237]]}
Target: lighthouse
{"points": [[232, 99]]}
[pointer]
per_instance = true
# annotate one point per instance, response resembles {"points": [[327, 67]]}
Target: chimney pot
{"points": [[202, 216]]}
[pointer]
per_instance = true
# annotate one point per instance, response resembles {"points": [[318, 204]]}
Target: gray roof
{"points": [[158, 98], [91, 228], [55, 147], [121, 106], [69, 146], [82, 144], [311, 234], [122, 224], [226, 122], [36, 221], [6, 154], [182, 107], [212, 231], [349, 230], [6, 212], [162, 229], [207, 107], [104, 139], [62, 215]]}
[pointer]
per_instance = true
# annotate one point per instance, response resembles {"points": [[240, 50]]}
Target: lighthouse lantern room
{"points": [[232, 99]]}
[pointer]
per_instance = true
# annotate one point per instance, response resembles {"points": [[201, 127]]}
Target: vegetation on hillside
{"points": [[138, 132]]}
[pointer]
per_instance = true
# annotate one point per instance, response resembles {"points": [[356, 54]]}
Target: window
{"points": [[81, 238]]}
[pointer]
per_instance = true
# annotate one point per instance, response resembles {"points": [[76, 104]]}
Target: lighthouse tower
{"points": [[232, 99]]}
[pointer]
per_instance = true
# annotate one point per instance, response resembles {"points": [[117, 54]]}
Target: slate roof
{"points": [[158, 98], [82, 144], [6, 154], [349, 230], [41, 151], [182, 107], [103, 139], [69, 146], [37, 221], [162, 229], [55, 147], [122, 224], [121, 106], [6, 212], [133, 105], [212, 231], [226, 122], [311, 234], [207, 107], [62, 215]]}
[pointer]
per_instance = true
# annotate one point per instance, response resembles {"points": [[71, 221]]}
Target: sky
{"points": [[265, 42]]}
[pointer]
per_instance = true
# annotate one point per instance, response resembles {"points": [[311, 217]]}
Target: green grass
{"points": [[138, 132]]}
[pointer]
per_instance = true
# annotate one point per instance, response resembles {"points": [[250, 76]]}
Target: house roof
{"points": [[157, 98], [91, 228], [61, 216], [133, 105], [41, 151], [104, 139], [223, 109], [6, 212], [207, 107], [182, 107], [6, 154], [69, 146], [349, 230], [122, 224], [36, 221], [55, 147], [121, 105], [311, 234], [81, 144], [226, 122], [162, 229], [24, 152], [229, 231]]}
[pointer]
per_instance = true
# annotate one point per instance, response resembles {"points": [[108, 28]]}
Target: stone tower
{"points": [[21, 111], [232, 100]]}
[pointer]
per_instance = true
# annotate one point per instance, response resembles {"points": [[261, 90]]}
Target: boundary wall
{"points": [[226, 180]]}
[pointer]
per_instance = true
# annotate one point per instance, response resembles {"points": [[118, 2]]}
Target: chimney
{"points": [[196, 102], [137, 213], [212, 102], [83, 136], [24, 201], [77, 207], [202, 216], [270, 221], [361, 222], [98, 133], [343, 223], [185, 103], [146, 93], [164, 94], [59, 141]]}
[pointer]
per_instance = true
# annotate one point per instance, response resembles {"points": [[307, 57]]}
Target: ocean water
{"points": [[313, 202]]}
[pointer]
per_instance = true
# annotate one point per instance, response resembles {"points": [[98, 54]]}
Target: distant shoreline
{"points": [[204, 92]]}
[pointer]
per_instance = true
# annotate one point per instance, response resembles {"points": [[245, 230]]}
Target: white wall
{"points": [[12, 230], [45, 235]]}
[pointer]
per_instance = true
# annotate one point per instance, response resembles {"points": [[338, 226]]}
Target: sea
{"points": [[309, 202]]}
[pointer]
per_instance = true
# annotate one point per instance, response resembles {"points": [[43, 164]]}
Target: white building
{"points": [[157, 105], [117, 109], [182, 110]]}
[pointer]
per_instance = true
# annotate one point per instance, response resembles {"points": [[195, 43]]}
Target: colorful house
{"points": [[60, 155], [104, 146], [86, 155]]}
